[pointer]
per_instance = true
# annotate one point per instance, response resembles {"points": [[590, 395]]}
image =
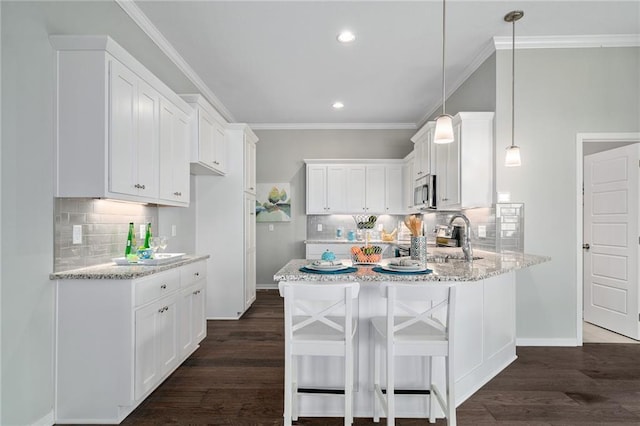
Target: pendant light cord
{"points": [[443, 57], [513, 82]]}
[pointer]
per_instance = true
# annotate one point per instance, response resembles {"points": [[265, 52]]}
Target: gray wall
{"points": [[559, 93], [280, 155], [477, 93]]}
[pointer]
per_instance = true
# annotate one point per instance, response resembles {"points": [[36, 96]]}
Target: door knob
{"points": [[586, 246]]}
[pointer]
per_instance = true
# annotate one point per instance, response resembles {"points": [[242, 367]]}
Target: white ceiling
{"points": [[279, 64]]}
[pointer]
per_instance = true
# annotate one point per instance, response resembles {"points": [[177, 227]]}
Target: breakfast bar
{"points": [[485, 340]]}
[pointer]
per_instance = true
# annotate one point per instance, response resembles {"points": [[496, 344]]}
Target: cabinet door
{"points": [[250, 251], [316, 189], [408, 186], [219, 148], [336, 189], [375, 189], [123, 106], [356, 183], [147, 141], [249, 166], [167, 343], [394, 189], [453, 169], [418, 171], [174, 160], [186, 343], [206, 136], [147, 372], [199, 321]]}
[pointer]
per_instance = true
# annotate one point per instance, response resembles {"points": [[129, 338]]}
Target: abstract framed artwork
{"points": [[273, 202]]}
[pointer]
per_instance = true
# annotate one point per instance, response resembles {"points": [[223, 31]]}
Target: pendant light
{"points": [[444, 125], [512, 158]]}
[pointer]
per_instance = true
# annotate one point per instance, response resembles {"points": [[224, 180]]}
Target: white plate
{"points": [[401, 268], [160, 259], [328, 268]]}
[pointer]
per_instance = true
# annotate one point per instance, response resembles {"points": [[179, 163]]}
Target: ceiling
{"points": [[278, 63]]}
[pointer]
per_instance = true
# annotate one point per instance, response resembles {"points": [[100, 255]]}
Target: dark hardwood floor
{"points": [[236, 378]]}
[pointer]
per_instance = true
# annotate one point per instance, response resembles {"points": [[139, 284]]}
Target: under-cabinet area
{"points": [[121, 330]]}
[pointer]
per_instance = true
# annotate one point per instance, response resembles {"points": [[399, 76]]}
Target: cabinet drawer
{"points": [[192, 272], [150, 288]]}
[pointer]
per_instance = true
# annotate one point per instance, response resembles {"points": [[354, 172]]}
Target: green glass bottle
{"points": [[147, 236], [131, 241]]}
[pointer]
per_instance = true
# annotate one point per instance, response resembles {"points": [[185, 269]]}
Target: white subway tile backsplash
{"points": [[105, 226]]}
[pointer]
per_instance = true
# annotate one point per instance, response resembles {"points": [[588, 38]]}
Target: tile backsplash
{"points": [[503, 226], [105, 225]]}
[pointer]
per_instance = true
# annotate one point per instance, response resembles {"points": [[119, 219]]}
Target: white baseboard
{"points": [[272, 286], [547, 342], [46, 420]]}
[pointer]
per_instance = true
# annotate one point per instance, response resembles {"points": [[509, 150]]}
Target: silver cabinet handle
{"points": [[137, 185], [163, 286], [197, 274], [177, 194], [586, 246]]}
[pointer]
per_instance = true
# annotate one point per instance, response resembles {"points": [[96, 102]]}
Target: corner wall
{"points": [[559, 93], [280, 155]]}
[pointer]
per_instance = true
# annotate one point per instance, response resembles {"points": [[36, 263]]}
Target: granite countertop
{"points": [[490, 264], [111, 271]]}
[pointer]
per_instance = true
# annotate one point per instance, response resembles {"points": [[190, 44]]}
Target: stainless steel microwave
{"points": [[424, 194]]}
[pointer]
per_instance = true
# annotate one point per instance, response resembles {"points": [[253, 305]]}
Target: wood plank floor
{"points": [[236, 376]]}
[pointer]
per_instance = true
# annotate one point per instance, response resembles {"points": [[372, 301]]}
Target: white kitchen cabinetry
{"points": [[109, 115], [208, 142], [193, 325], [423, 151], [464, 168], [250, 166], [225, 213], [394, 190], [119, 339], [408, 183], [174, 154], [354, 186], [327, 189]]}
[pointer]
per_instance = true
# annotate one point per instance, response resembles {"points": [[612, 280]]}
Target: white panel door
{"points": [[375, 189], [394, 190], [316, 189], [123, 105], [356, 185], [336, 189], [148, 142], [611, 232]]}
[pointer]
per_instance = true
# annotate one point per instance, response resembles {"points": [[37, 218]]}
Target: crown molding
{"points": [[136, 14], [568, 42], [333, 126]]}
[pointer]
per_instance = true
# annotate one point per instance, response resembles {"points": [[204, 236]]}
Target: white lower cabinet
{"points": [[120, 338]]}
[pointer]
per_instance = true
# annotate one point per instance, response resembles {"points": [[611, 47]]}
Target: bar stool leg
{"points": [[432, 394]]}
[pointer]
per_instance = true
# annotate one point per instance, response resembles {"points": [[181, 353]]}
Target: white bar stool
{"points": [[318, 320], [419, 322]]}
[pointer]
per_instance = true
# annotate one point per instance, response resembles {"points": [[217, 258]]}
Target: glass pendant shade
{"points": [[512, 158], [444, 129]]}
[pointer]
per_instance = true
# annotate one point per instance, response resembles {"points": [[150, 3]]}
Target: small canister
{"points": [[419, 250]]}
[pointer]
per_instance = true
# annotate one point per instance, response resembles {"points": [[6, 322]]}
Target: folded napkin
{"points": [[405, 262]]}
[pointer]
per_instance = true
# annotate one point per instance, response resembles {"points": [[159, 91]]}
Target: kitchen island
{"points": [[484, 320]]}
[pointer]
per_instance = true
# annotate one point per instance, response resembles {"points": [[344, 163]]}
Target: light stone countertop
{"points": [[491, 264], [111, 271]]}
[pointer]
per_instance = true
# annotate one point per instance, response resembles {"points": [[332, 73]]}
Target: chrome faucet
{"points": [[466, 237]]}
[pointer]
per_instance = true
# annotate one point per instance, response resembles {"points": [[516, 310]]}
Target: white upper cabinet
{"points": [[250, 163], [208, 141], [464, 168], [174, 154], [354, 186], [109, 123], [423, 151]]}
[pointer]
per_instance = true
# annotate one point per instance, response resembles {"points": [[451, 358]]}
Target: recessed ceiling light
{"points": [[338, 105], [346, 37]]}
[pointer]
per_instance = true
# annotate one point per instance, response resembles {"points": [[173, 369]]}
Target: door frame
{"points": [[582, 138]]}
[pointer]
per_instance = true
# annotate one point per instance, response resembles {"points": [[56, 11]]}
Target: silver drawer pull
{"points": [[177, 194], [163, 286], [197, 274]]}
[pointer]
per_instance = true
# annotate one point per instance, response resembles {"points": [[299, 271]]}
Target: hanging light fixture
{"points": [[444, 125], [512, 159]]}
